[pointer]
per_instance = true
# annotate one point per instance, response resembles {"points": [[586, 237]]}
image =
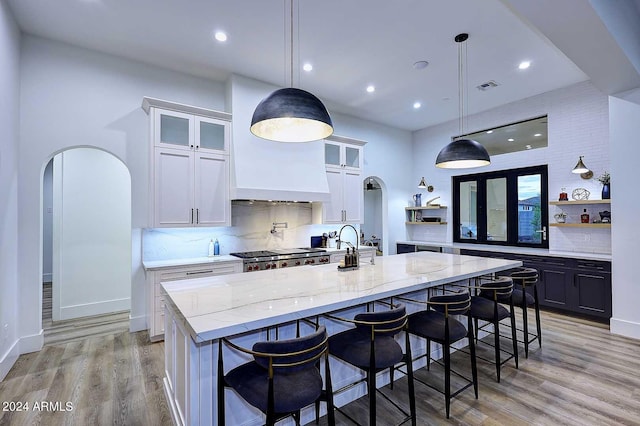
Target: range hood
{"points": [[267, 170]]}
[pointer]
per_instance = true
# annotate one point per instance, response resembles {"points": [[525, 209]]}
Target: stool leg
{"points": [[447, 375], [525, 325], [371, 381], [428, 354], [391, 371], [472, 352], [412, 392], [537, 307], [496, 336], [514, 336]]}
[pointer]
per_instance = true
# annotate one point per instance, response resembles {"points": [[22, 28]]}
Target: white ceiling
{"points": [[351, 44]]}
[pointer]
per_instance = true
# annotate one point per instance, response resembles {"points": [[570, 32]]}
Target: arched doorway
{"points": [[374, 226], [86, 243]]}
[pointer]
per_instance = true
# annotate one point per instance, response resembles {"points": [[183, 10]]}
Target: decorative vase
{"points": [[606, 191]]}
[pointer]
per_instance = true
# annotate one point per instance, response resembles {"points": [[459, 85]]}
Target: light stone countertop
{"points": [[151, 265], [213, 307]]}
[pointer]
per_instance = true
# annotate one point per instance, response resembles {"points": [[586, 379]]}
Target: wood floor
{"points": [[581, 376]]}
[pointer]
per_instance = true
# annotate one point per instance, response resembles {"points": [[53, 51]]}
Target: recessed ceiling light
{"points": [[307, 67], [220, 36], [511, 139], [489, 131], [524, 65], [538, 134], [420, 65], [371, 88], [417, 105]]}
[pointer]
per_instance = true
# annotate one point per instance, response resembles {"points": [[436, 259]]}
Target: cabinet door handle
{"points": [[200, 272], [197, 215], [191, 215]]}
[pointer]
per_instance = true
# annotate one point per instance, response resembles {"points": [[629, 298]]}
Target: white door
{"points": [[173, 188], [353, 197], [211, 190], [332, 210]]}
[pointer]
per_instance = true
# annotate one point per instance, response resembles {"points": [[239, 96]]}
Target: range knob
{"points": [[297, 263], [283, 265], [249, 268], [274, 266], [268, 266]]}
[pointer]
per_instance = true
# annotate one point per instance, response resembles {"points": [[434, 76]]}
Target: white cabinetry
{"points": [[343, 162], [155, 301], [190, 167]]}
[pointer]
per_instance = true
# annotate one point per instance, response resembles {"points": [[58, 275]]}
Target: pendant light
{"points": [[582, 170], [423, 185], [291, 114], [370, 186], [462, 153]]}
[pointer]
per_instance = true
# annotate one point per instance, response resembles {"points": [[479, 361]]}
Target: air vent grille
{"points": [[488, 85]]}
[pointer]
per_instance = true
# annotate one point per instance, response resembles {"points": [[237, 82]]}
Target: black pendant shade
{"points": [[462, 154], [291, 115]]}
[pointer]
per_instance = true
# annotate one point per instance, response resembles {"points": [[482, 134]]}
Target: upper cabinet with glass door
{"points": [[341, 154], [190, 132]]}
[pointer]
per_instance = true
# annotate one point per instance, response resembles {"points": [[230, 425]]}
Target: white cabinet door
{"points": [[173, 188], [333, 210], [353, 197], [212, 190], [211, 134], [173, 129]]}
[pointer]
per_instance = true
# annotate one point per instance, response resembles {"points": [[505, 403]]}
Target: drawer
{"points": [[159, 303], [158, 326], [593, 265], [203, 271]]}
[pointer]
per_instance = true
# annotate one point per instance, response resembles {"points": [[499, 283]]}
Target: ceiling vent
{"points": [[488, 85]]}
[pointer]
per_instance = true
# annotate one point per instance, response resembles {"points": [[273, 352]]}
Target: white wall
{"points": [[9, 108], [624, 118], [71, 97], [91, 234], [578, 124]]}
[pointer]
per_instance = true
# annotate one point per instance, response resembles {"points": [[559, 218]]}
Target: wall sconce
{"points": [[423, 185], [582, 170]]}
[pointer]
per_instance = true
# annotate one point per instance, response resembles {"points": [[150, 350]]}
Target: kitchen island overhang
{"points": [[200, 311]]}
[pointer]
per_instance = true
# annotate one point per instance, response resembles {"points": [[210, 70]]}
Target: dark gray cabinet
{"points": [[405, 248], [573, 286]]}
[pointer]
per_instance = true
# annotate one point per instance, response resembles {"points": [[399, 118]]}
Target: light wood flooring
{"points": [[582, 375]]}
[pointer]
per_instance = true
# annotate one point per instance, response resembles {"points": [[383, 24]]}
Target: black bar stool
{"points": [[525, 278], [371, 347], [283, 377], [486, 306], [437, 324]]}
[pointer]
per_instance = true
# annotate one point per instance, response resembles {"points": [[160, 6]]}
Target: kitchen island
{"points": [[200, 311]]}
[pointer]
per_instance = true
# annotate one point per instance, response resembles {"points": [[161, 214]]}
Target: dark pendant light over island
{"points": [[462, 153], [291, 114]]}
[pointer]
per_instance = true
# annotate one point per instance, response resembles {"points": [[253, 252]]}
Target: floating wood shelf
{"points": [[582, 225], [425, 223], [579, 202]]}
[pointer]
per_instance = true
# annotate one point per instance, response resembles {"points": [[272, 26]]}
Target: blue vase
{"points": [[606, 191]]}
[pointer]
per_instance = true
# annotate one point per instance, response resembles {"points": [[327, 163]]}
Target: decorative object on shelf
{"points": [[417, 198], [462, 153], [423, 185], [580, 194], [560, 217], [371, 186], [605, 180], [582, 170], [584, 217], [605, 216], [291, 114], [563, 195], [418, 216], [430, 202]]}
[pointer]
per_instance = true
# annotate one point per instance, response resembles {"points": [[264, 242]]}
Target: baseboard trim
{"points": [[97, 308], [138, 323], [8, 359], [625, 328], [32, 343]]}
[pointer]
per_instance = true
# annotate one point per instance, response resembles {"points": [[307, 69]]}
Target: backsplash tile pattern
{"points": [[250, 230]]}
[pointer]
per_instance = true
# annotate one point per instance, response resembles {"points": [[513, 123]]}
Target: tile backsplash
{"points": [[250, 230]]}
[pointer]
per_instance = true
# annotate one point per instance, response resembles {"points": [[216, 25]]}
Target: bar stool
{"points": [[436, 324], [527, 278], [283, 377], [486, 307], [371, 347]]}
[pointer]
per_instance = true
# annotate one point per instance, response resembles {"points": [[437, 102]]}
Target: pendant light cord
{"points": [[291, 45], [460, 91]]}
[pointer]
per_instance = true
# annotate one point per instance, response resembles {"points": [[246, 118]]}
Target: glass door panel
{"points": [[211, 135], [530, 209], [352, 157], [174, 130], [468, 210], [331, 154], [497, 209]]}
